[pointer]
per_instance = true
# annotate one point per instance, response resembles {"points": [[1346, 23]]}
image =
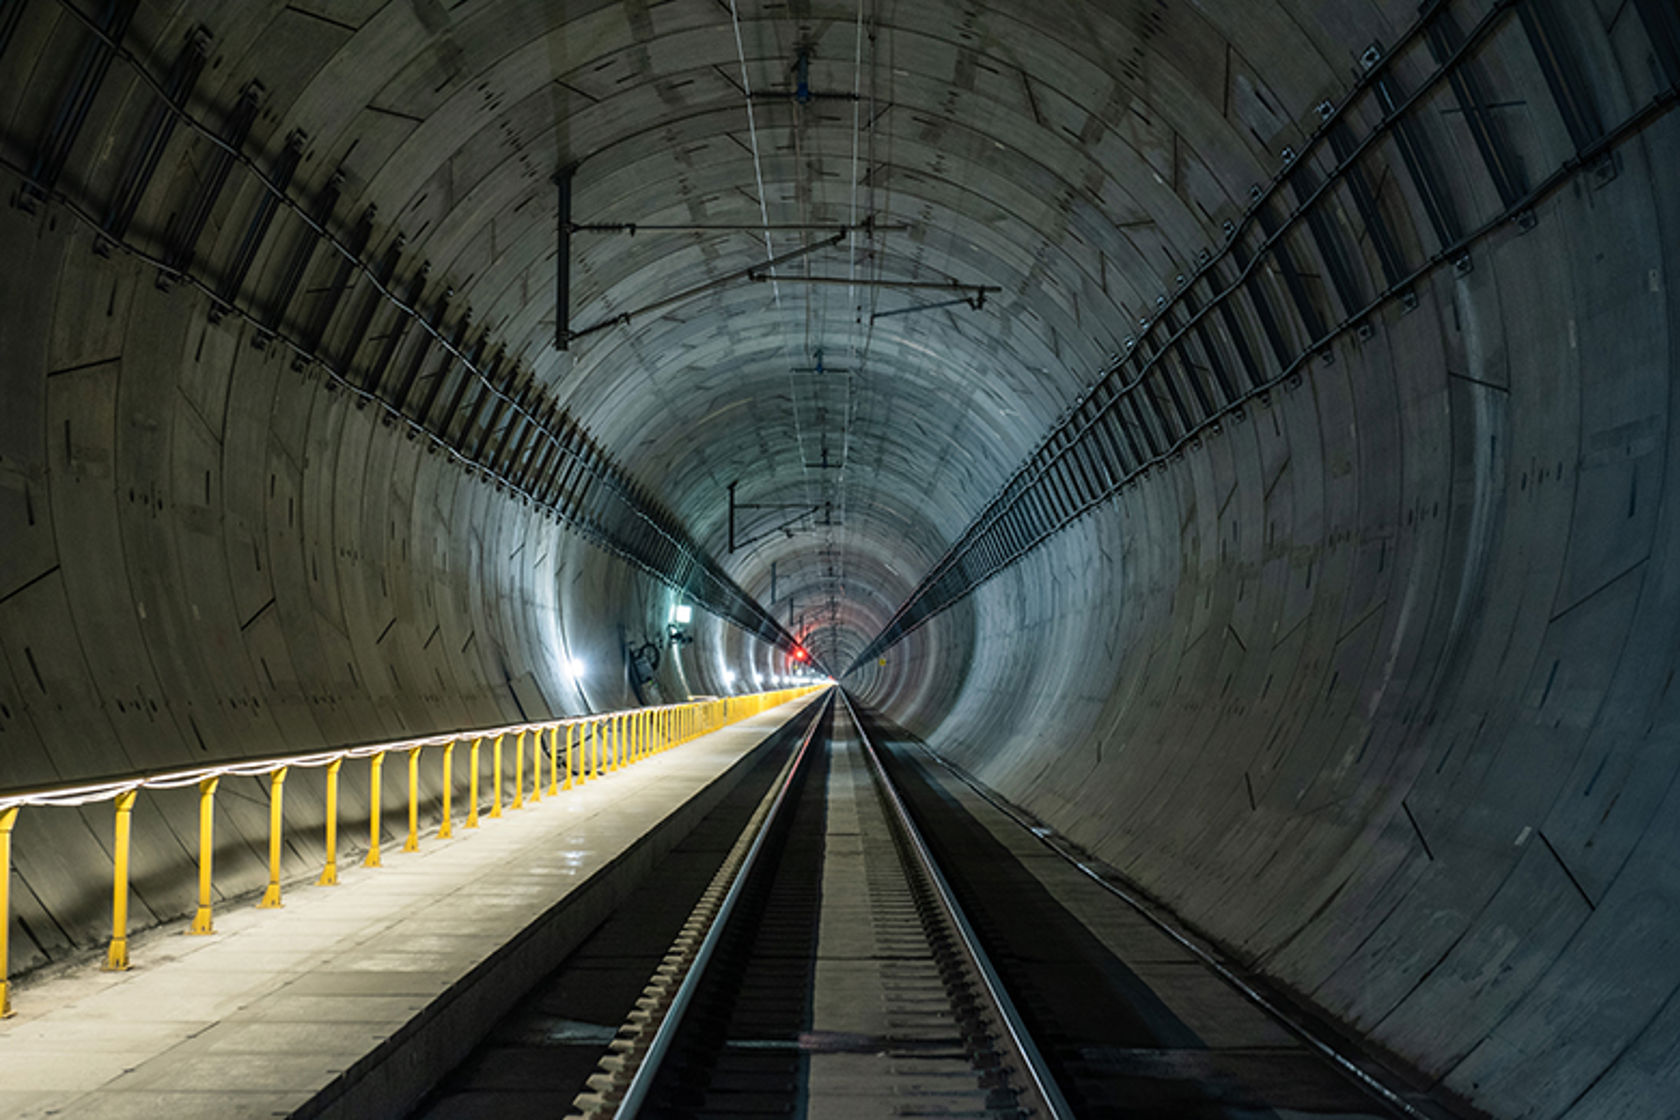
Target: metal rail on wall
{"points": [[495, 420], [592, 746], [1243, 324]]}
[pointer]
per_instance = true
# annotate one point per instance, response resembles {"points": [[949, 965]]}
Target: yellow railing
{"points": [[593, 745]]}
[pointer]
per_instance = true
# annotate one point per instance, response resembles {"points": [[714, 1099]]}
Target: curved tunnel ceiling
{"points": [[1004, 141], [1291, 524]]}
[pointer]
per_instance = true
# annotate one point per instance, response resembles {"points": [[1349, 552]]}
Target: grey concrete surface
{"points": [[353, 1000], [1374, 686]]}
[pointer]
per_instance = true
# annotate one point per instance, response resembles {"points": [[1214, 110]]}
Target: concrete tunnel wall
{"points": [[208, 557], [1374, 686], [1377, 686]]}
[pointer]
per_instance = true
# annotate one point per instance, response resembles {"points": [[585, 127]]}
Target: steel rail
{"points": [[1034, 471], [1344, 1064], [1032, 1061], [577, 519], [456, 348], [1014, 491], [1300, 212], [647, 1071]]}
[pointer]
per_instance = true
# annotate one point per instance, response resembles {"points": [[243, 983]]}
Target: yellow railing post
{"points": [[518, 771], [592, 754], [329, 875], [569, 728], [472, 791], [116, 954], [412, 844], [276, 822], [376, 767], [496, 797], [536, 765], [201, 923], [447, 828], [8, 819], [554, 760]]}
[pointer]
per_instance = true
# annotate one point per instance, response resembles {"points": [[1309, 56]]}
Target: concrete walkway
{"points": [[352, 999]]}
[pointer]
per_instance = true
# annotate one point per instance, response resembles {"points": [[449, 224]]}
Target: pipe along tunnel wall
{"points": [[1374, 685]]}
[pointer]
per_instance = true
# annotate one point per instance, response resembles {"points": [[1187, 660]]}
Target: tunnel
{"points": [[1236, 433]]}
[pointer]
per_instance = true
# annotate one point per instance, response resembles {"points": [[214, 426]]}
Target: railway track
{"points": [[855, 933], [827, 971]]}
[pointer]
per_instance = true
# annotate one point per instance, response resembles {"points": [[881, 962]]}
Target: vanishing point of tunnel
{"points": [[1241, 435]]}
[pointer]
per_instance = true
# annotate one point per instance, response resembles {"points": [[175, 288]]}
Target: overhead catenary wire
{"points": [[764, 217]]}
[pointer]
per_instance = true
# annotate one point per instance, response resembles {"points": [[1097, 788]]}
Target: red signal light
{"points": [[800, 655]]}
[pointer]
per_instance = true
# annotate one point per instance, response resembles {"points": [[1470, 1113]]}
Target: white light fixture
{"points": [[682, 614], [575, 669]]}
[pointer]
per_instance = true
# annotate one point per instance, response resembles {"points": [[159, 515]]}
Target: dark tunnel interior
{"points": [[1241, 433]]}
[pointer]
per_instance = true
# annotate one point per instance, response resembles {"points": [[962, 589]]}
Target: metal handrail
{"points": [[617, 739]]}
